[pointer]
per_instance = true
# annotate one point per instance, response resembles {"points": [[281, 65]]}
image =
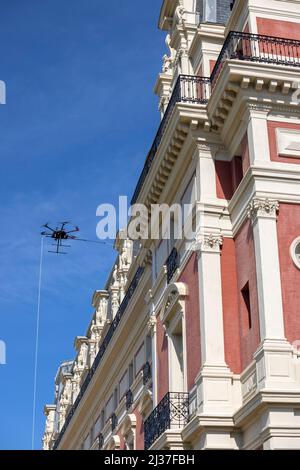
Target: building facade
{"points": [[194, 342]]}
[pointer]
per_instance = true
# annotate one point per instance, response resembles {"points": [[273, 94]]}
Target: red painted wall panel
{"points": [[245, 153], [139, 441], [224, 179], [279, 28], [246, 273], [192, 320], [212, 63], [230, 306], [288, 228]]}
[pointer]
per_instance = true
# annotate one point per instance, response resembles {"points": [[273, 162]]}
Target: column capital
{"points": [[151, 324], [208, 149], [210, 243], [262, 207]]}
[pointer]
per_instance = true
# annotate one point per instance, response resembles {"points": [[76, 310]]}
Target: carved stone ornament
{"points": [[151, 324], [179, 14], [167, 66], [209, 242], [262, 207], [174, 298]]}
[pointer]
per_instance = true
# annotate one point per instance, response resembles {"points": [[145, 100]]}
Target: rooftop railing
{"points": [[101, 352], [257, 48], [188, 89]]}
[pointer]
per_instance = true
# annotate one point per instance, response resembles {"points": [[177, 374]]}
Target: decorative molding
{"points": [[261, 207], [209, 243], [288, 142], [151, 324], [173, 301], [210, 147]]}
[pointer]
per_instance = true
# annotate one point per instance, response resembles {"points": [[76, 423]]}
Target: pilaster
{"points": [[215, 385], [275, 367]]}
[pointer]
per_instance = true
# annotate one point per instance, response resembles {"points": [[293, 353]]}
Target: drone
{"points": [[62, 233]]}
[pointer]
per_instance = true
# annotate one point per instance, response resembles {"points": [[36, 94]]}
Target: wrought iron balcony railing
{"points": [[101, 351], [114, 421], [257, 48], [129, 399], [171, 413], [147, 375], [100, 441], [188, 89], [172, 264]]}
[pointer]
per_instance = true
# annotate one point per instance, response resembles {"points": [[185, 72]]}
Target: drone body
{"points": [[59, 234]]}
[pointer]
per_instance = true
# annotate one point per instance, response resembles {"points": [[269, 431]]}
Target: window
{"points": [[210, 11], [123, 385], [295, 252], [116, 398], [139, 359], [97, 427], [188, 198], [187, 203], [148, 348], [246, 306], [87, 442], [130, 374], [161, 255], [109, 409], [164, 248]]}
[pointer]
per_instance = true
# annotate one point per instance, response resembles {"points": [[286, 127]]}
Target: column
{"points": [[274, 357], [211, 316], [217, 392], [263, 214]]}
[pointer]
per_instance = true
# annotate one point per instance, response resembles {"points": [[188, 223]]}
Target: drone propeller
{"points": [[47, 226]]}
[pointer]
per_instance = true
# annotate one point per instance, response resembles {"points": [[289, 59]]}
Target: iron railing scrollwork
{"points": [[114, 421], [188, 89], [257, 48], [100, 441], [172, 264], [147, 375], [101, 352], [171, 413], [129, 399]]}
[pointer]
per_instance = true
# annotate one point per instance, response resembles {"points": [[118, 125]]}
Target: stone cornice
{"points": [[257, 85]]}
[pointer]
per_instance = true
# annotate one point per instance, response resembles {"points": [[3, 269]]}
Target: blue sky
{"points": [[79, 120]]}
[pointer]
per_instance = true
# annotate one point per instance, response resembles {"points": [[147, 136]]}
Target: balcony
{"points": [[172, 264], [147, 375], [114, 422], [257, 48], [171, 413], [101, 352], [100, 441], [129, 399], [188, 89]]}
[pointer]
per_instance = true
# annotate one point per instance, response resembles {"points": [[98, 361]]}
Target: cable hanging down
{"points": [[37, 342]]}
